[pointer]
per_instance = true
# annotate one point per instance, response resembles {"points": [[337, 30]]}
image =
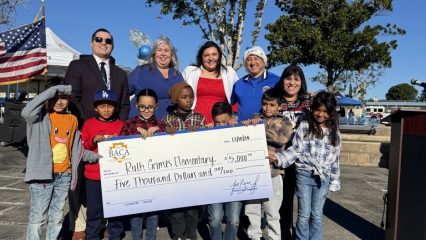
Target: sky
{"points": [[75, 21]]}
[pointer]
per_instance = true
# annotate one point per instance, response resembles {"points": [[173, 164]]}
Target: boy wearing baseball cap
{"points": [[248, 91], [102, 127]]}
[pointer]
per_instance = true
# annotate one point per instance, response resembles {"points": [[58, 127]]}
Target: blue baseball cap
{"points": [[105, 95]]}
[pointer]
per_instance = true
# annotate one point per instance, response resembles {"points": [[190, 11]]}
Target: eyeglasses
{"points": [[100, 39], [150, 108]]}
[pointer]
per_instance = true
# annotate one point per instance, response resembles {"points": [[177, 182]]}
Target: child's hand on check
{"points": [[170, 130], [143, 132]]}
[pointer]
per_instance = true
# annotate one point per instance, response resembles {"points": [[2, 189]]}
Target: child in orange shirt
{"points": [[55, 151]]}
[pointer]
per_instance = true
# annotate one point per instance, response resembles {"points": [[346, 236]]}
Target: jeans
{"points": [[232, 214], [136, 224], [183, 223], [271, 206], [48, 197], [311, 194]]}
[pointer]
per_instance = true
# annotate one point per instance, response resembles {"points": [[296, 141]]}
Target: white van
{"points": [[376, 111]]}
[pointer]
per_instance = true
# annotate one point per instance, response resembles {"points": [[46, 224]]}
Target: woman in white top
{"points": [[211, 80]]}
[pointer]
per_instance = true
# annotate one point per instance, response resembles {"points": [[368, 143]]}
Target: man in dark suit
{"points": [[88, 75]]}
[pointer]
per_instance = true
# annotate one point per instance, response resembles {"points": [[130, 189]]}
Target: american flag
{"points": [[23, 53]]}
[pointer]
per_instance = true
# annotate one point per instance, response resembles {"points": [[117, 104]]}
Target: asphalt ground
{"points": [[354, 212]]}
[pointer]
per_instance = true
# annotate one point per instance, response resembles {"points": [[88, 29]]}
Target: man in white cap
{"points": [[247, 92]]}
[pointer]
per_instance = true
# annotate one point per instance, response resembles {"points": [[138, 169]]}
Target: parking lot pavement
{"points": [[354, 212]]}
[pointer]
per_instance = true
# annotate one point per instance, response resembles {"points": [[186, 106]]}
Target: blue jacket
{"points": [[148, 76], [248, 91]]}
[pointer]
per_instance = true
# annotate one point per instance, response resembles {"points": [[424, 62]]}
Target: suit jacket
{"points": [[85, 78]]}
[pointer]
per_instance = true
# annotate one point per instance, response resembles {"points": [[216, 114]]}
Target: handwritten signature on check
{"points": [[242, 185]]}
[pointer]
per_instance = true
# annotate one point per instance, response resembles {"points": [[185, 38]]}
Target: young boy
{"points": [[100, 128], [52, 133], [278, 132], [183, 220], [222, 116], [54, 154]]}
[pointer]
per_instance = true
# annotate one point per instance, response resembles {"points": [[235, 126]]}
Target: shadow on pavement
{"points": [[352, 222]]}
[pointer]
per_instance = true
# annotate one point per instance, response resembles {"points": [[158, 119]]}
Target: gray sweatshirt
{"points": [[39, 160]]}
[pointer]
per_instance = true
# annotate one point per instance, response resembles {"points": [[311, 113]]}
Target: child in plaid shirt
{"points": [[145, 124], [316, 151], [183, 117], [183, 220], [278, 132]]}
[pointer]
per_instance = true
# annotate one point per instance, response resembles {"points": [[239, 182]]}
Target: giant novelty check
{"points": [[186, 169]]}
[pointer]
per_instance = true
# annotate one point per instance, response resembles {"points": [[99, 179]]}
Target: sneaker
{"points": [[79, 235], [105, 234]]}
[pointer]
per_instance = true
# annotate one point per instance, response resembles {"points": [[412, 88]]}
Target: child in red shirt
{"points": [[102, 127]]}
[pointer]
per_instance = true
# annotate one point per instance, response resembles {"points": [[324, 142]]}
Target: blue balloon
{"points": [[144, 52]]}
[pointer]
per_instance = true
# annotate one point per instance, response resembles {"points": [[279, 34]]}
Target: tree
{"points": [[403, 91], [219, 21], [361, 80], [8, 10], [334, 34]]}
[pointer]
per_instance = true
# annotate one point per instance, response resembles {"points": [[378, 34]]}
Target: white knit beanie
{"points": [[257, 51]]}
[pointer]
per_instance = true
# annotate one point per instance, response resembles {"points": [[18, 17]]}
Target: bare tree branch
{"points": [[219, 20]]}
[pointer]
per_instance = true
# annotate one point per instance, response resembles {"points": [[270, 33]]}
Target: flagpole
{"points": [[40, 11], [43, 15]]}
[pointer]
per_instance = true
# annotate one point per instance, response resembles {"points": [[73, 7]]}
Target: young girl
{"points": [[145, 124], [183, 220], [55, 151], [100, 128], [316, 150]]}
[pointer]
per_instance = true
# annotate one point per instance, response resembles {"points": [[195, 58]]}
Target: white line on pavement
{"points": [[13, 203], [11, 189], [376, 186], [5, 210], [10, 184], [12, 223], [5, 176]]}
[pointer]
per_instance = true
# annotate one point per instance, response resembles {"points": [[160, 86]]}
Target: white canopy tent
{"points": [[59, 54]]}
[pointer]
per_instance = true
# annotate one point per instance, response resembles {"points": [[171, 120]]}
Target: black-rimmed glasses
{"points": [[150, 108], [101, 39]]}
